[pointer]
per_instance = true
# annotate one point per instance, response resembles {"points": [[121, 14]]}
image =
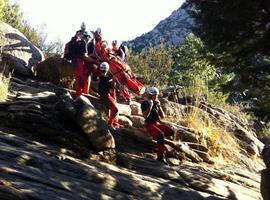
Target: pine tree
{"points": [[238, 31]]}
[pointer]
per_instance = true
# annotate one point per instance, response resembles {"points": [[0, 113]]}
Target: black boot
{"points": [[162, 160]]}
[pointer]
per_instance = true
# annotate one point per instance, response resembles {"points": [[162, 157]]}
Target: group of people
{"points": [[91, 60], [86, 51]]}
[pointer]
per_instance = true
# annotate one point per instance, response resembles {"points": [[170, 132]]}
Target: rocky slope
{"points": [[172, 30], [52, 147]]}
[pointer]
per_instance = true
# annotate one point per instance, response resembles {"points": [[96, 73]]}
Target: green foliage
{"points": [[189, 66], [234, 23], [2, 6], [195, 69], [33, 34], [238, 32], [153, 64], [53, 49], [192, 63], [264, 134], [12, 15]]}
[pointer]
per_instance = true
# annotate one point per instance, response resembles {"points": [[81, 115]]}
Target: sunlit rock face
{"points": [[17, 51], [172, 30]]}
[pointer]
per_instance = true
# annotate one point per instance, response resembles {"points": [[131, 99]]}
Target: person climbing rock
{"points": [[152, 112], [106, 90]]}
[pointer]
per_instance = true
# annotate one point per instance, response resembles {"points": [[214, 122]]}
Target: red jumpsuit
{"points": [[81, 73], [157, 130], [108, 99]]}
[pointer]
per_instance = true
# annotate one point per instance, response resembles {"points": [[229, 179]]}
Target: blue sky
{"points": [[118, 19]]}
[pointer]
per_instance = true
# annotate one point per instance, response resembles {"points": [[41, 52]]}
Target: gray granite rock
{"points": [[17, 51]]}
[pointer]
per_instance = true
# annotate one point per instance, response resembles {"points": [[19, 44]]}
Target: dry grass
{"points": [[219, 141], [222, 145], [4, 84], [237, 110]]}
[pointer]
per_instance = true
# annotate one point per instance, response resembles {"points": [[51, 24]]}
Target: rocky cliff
{"points": [[50, 149], [171, 30]]}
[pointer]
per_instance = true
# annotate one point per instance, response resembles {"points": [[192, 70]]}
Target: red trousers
{"points": [[81, 76], [94, 71], [109, 100], [158, 131]]}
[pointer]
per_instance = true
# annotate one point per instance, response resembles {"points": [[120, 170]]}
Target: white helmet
{"points": [[98, 31], [114, 42], [104, 66], [153, 91], [88, 34], [83, 26]]}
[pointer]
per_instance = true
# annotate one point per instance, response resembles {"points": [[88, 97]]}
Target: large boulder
{"points": [[124, 109], [135, 108], [92, 124], [137, 121], [17, 51], [172, 109], [56, 70], [125, 121]]}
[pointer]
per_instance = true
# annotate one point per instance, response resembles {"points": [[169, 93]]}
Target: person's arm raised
{"points": [[160, 110], [147, 112]]}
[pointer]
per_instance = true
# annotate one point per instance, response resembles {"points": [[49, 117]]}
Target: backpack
{"points": [[70, 49]]}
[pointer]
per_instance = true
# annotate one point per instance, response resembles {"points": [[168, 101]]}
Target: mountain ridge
{"points": [[171, 30]]}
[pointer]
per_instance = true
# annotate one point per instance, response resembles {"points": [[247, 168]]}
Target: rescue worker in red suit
{"points": [[81, 31], [102, 49], [98, 41], [114, 46], [92, 64], [118, 51], [106, 90], [82, 73], [152, 112]]}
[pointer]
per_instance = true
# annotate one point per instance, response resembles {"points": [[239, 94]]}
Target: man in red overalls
{"points": [[82, 71], [107, 94], [152, 112], [102, 49]]}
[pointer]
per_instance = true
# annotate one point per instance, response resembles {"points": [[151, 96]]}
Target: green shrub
{"points": [[153, 64], [54, 48], [12, 15], [195, 70], [191, 63], [2, 6]]}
